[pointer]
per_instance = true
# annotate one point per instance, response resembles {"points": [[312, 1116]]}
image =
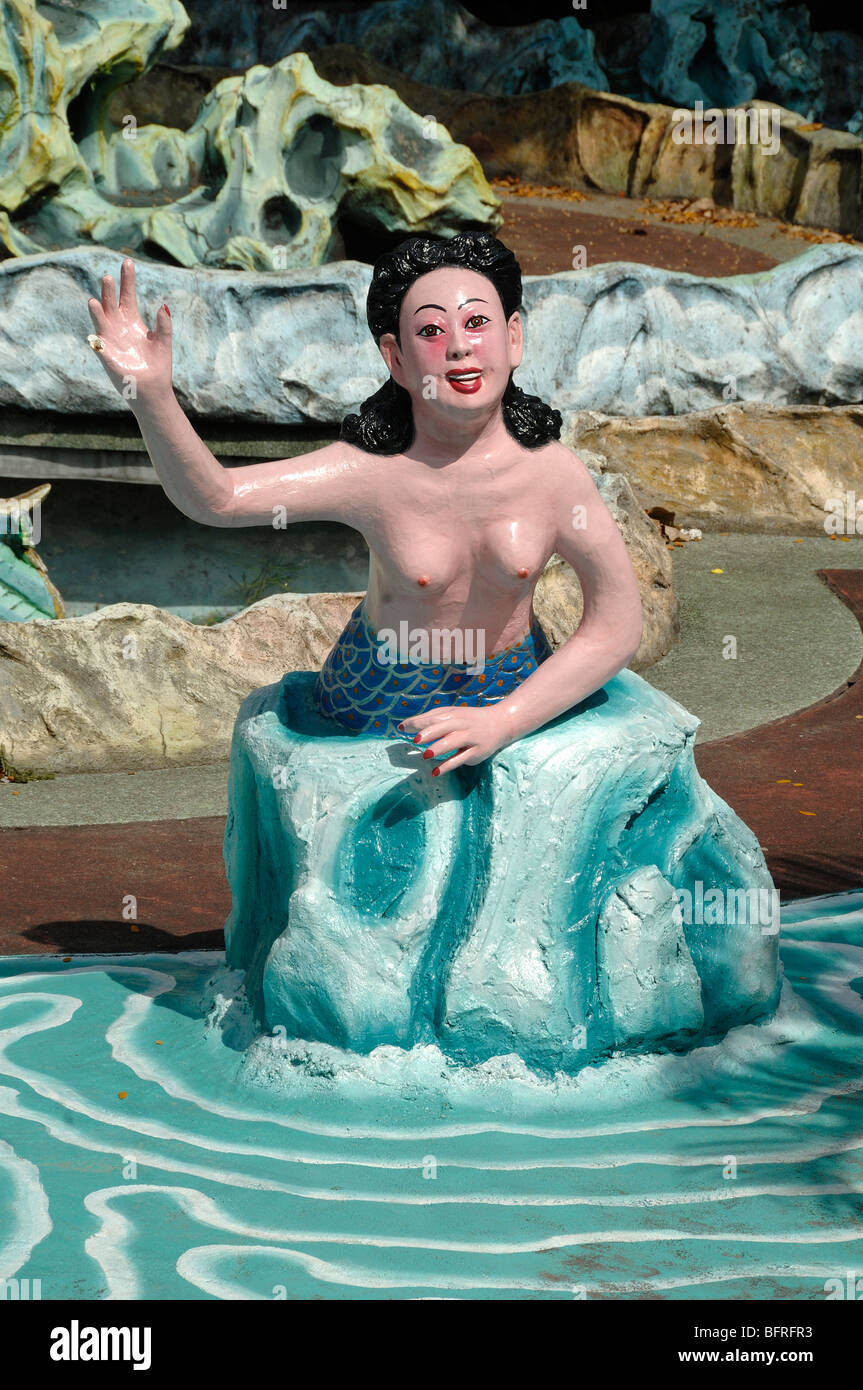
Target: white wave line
{"points": [[28, 1208], [145, 1158], [188, 1266], [70, 1101], [797, 913], [110, 1246]]}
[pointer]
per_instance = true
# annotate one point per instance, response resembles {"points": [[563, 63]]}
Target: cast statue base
{"points": [[582, 892]]}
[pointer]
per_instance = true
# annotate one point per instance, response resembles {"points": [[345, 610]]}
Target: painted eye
{"points": [[476, 321], [424, 333]]}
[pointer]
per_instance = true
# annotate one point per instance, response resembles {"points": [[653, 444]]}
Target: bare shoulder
{"points": [[583, 520], [341, 454], [566, 468], [341, 463]]}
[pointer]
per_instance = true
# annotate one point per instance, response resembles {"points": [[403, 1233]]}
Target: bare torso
{"points": [[462, 545]]}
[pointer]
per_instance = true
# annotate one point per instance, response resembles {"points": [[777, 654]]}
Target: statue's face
{"points": [[457, 349]]}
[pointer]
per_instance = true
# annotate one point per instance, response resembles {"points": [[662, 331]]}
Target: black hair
{"points": [[385, 423]]}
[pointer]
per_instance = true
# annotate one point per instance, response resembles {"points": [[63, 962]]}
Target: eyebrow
{"points": [[443, 310]]}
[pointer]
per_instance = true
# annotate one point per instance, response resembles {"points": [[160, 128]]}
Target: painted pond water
{"points": [[152, 1149]]}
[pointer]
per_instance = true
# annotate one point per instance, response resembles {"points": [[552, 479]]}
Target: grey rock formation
{"points": [[132, 686], [435, 41], [295, 349], [637, 340]]}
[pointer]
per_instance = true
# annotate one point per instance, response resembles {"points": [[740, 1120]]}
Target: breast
{"points": [[500, 556], [430, 567], [511, 554]]}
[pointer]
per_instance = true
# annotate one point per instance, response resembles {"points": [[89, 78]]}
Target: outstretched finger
{"points": [[109, 295], [163, 330], [97, 314], [128, 300]]}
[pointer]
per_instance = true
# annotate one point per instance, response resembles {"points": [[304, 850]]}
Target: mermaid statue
{"points": [[453, 834]]}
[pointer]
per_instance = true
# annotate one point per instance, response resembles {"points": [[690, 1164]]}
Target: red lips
{"points": [[466, 387]]}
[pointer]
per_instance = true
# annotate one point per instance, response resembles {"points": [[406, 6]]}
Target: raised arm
{"points": [[323, 485]]}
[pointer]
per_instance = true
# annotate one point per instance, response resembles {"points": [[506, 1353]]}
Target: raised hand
{"points": [[137, 359]]}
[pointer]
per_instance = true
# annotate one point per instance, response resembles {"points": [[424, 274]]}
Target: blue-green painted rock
{"points": [[581, 893], [25, 589]]}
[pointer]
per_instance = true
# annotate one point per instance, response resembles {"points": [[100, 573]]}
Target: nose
{"points": [[459, 344]]}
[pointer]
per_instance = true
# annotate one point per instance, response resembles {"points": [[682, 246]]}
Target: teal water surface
{"points": [[152, 1147]]}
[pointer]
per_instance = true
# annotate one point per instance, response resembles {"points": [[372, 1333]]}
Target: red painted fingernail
{"points": [[418, 738], [429, 753], [401, 728], [435, 772], [167, 310]]}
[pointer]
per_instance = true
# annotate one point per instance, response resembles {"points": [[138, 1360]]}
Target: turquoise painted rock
{"points": [[581, 893], [25, 589]]}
